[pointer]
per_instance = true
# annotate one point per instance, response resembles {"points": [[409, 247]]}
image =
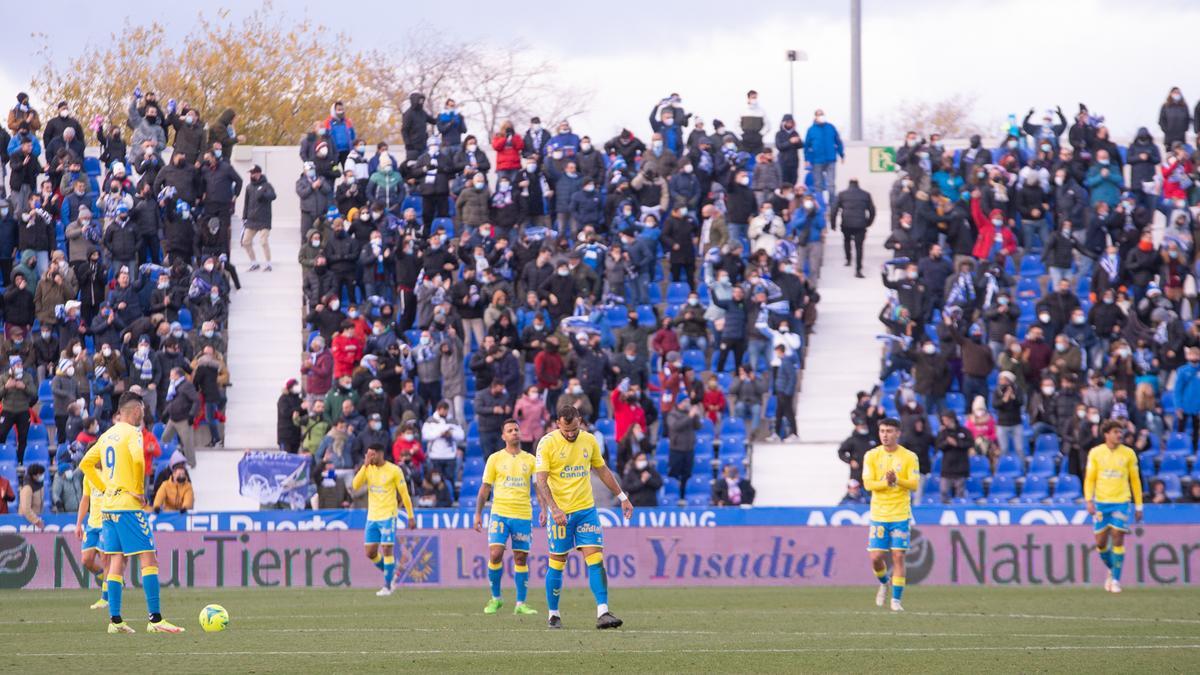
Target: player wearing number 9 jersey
{"points": [[116, 462], [566, 459]]}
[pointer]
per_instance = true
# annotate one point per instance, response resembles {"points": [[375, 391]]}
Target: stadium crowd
{"points": [[449, 289], [1038, 289], [115, 273]]}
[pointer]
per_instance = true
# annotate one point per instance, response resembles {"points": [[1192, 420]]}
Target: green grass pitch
{"points": [[945, 629]]}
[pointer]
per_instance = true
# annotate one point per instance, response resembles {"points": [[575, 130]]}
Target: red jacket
{"points": [[987, 233], [548, 367], [508, 155], [347, 351], [664, 341], [1171, 188], [150, 449], [625, 414]]}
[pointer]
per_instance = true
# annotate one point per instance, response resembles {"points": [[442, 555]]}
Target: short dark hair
{"points": [[1109, 425], [890, 422], [129, 398], [567, 413], [508, 422], [375, 446]]}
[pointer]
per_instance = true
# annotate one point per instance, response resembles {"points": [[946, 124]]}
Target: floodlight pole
{"points": [[856, 129]]}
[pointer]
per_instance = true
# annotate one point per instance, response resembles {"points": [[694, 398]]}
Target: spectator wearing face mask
{"points": [[1174, 118], [175, 495], [642, 481], [732, 490], [32, 499], [855, 447], [146, 125], [287, 434], [18, 392], [823, 148]]}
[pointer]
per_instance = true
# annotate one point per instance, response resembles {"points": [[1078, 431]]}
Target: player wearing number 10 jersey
{"points": [[116, 462], [565, 461]]}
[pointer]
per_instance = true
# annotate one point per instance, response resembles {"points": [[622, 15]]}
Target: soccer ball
{"points": [[214, 618]]}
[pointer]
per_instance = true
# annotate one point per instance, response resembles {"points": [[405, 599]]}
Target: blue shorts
{"points": [[582, 529], [91, 537], [1113, 515], [380, 532], [126, 533], [519, 529], [887, 536]]}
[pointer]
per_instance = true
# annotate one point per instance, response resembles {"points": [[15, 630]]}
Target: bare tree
{"points": [[508, 83], [952, 117]]}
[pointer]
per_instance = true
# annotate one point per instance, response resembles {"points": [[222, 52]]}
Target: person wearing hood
{"points": [[788, 144], [1144, 157], [176, 494], [221, 186], [225, 134], [414, 127], [1174, 118], [189, 132], [340, 131], [23, 114], [147, 126], [387, 186], [625, 144], [33, 499]]}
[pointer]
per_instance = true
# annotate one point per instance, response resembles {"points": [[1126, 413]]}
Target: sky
{"points": [[1118, 56]]}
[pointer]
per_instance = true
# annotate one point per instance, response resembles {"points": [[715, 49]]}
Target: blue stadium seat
{"points": [[670, 488], [468, 501], [8, 469], [1171, 483], [703, 455], [446, 224], [729, 440], [473, 431], [616, 316], [412, 202], [1028, 307], [677, 293], [646, 316], [1068, 487], [956, 402], [661, 462], [92, 166], [37, 453], [1179, 441], [700, 483], [47, 411], [185, 318], [1173, 463], [605, 427], [473, 466], [38, 432], [699, 499], [474, 449], [975, 487], [44, 391], [1009, 465], [1031, 266], [892, 382], [1029, 288], [706, 424], [1002, 487], [694, 359], [1043, 465], [1146, 464], [733, 425], [655, 294], [703, 438], [980, 466], [1035, 487], [935, 465], [1046, 444]]}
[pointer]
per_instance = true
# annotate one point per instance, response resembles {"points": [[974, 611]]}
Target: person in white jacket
{"points": [[441, 437]]}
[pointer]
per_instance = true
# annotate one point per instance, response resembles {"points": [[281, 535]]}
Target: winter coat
{"points": [[822, 144], [189, 139], [256, 209], [224, 132], [508, 151], [855, 207], [1174, 120], [314, 200], [414, 125], [144, 130], [472, 207]]}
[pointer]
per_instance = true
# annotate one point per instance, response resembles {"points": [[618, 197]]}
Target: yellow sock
{"points": [[388, 559], [495, 565], [375, 558], [558, 564], [594, 559], [520, 568]]}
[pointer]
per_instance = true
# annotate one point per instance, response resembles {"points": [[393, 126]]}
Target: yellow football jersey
{"points": [[890, 504], [95, 503], [569, 468], [511, 477], [383, 483], [116, 461], [1110, 473]]}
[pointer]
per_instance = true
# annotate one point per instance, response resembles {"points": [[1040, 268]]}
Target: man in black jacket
{"points": [[955, 444], [414, 127], [256, 216], [221, 187], [857, 211], [855, 447]]}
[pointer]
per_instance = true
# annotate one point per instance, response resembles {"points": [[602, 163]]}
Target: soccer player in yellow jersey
{"points": [[510, 473], [1109, 484], [891, 473], [566, 458], [89, 536], [116, 462], [384, 481]]}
